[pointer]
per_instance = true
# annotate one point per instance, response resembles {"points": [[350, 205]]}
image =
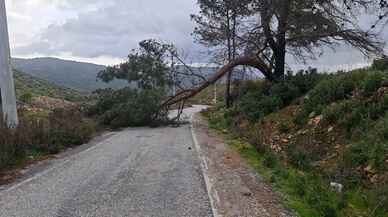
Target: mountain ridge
{"points": [[81, 76]]}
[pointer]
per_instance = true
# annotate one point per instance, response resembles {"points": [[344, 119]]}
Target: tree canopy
{"points": [[146, 66]]}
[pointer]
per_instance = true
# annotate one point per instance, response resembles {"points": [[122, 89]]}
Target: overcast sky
{"points": [[104, 31]]}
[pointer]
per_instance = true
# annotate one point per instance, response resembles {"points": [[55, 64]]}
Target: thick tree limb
{"points": [[241, 61]]}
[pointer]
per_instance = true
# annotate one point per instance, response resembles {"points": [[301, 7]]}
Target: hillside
{"points": [[26, 84], [71, 74], [320, 139]]}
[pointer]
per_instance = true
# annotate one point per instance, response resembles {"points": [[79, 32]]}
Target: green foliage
{"points": [[146, 66], [372, 149], [355, 103], [26, 98], [256, 106], [372, 83], [340, 99], [128, 107], [328, 91], [28, 87], [263, 98], [380, 64], [298, 158], [78, 76]]}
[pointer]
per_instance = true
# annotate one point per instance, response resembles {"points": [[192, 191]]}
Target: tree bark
{"points": [[229, 44], [241, 61]]}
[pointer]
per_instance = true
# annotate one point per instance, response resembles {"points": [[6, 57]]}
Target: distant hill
{"points": [[76, 75], [26, 84]]}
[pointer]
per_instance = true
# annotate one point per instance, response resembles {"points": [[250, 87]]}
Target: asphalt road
{"points": [[135, 172]]}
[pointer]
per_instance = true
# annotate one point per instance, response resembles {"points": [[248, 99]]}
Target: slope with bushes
{"points": [[322, 138], [77, 75], [28, 87]]}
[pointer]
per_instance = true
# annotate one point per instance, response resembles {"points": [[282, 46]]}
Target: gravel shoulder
{"points": [[236, 189]]}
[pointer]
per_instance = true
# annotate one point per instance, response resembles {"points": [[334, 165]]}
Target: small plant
{"points": [[298, 158], [328, 91], [380, 64], [372, 83], [284, 127], [26, 98]]}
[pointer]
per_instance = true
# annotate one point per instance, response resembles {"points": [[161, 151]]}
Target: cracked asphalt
{"points": [[135, 172]]}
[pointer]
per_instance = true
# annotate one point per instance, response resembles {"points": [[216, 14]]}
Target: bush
{"points": [[256, 105], [26, 98], [328, 91], [372, 83], [305, 80], [287, 92], [46, 135], [298, 158], [380, 64], [261, 98], [128, 107], [68, 128]]}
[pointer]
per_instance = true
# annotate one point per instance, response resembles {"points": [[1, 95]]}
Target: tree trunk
{"points": [[229, 77], [242, 61], [280, 62]]}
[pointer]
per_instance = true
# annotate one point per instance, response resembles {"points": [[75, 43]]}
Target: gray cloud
{"points": [[95, 28], [117, 27]]}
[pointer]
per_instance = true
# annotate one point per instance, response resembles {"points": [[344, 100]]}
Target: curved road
{"points": [[135, 172]]}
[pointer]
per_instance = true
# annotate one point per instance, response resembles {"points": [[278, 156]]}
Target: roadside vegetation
{"points": [[41, 134], [28, 88], [320, 139]]}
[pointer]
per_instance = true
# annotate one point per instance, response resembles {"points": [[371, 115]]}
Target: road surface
{"points": [[135, 172]]}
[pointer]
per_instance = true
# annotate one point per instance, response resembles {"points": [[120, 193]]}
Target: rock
{"points": [[285, 141], [318, 119], [246, 192], [330, 129], [369, 169], [337, 187], [374, 179]]}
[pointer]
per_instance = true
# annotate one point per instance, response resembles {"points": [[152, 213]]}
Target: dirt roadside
{"points": [[236, 189]]}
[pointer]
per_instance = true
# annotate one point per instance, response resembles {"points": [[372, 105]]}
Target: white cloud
{"points": [[104, 31], [94, 29]]}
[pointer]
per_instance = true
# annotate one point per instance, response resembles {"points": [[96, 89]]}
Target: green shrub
{"points": [[26, 98], [256, 105], [305, 80], [328, 91], [128, 107], [287, 92], [298, 158], [372, 83], [380, 64], [261, 98]]}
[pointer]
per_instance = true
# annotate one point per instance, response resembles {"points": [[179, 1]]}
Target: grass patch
{"points": [[304, 190]]}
